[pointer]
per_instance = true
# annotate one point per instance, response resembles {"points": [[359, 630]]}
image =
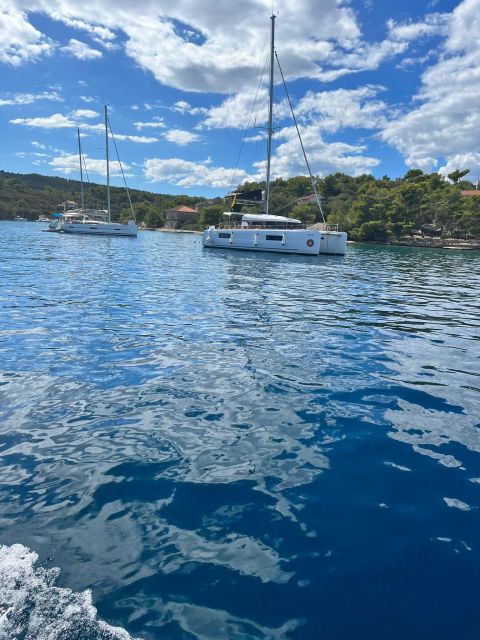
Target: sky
{"points": [[377, 87]]}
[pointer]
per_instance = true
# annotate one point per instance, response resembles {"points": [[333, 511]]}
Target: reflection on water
{"points": [[222, 444]]}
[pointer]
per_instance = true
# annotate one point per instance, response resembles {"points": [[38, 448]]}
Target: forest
{"points": [[367, 208], [32, 195], [374, 209]]}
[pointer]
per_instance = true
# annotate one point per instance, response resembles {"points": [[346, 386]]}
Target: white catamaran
{"points": [[267, 232], [98, 222]]}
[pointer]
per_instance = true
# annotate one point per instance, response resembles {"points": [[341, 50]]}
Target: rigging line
{"points": [[301, 141], [121, 168], [289, 203], [92, 195], [84, 162], [247, 126], [82, 205]]}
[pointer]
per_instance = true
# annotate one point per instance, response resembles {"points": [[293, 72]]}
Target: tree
{"points": [[304, 212], [211, 215], [456, 175], [154, 219], [372, 231], [448, 207], [414, 175]]}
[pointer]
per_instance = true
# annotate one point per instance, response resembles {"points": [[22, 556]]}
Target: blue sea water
{"points": [[204, 444]]}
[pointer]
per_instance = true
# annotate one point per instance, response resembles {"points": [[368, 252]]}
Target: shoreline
{"points": [[406, 241], [428, 243], [171, 230]]}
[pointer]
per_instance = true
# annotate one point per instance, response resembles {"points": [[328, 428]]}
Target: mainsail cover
{"points": [[239, 198]]}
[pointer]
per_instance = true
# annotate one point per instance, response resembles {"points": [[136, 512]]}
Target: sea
{"points": [[203, 444]]}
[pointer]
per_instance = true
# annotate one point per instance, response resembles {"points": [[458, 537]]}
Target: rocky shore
{"points": [[436, 243], [404, 241]]}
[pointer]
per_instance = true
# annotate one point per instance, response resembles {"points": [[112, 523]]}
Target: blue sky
{"points": [[378, 87]]}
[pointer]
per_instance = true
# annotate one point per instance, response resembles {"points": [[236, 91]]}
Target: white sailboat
{"points": [[98, 222], [268, 232]]}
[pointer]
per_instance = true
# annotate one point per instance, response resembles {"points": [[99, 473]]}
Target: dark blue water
{"points": [[232, 445]]}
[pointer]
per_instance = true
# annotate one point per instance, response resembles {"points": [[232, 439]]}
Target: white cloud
{"points": [[442, 122], [324, 158], [469, 160], [25, 154], [87, 99], [432, 25], [68, 164], [55, 121], [244, 110], [85, 113], [334, 110], [102, 35], [184, 107], [29, 98], [184, 173], [221, 47], [140, 139], [81, 51], [406, 63], [235, 110], [256, 138], [181, 137], [94, 128], [156, 123], [20, 42], [38, 145]]}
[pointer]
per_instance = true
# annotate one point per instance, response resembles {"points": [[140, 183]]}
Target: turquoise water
{"points": [[230, 445]]}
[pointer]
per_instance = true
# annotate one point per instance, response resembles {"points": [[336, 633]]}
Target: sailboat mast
{"points": [[270, 115], [81, 169], [108, 162]]}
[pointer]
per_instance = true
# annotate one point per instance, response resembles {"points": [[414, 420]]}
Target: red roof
{"points": [[182, 209], [470, 192]]}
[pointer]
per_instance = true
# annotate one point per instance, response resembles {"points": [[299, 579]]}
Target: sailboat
{"points": [[74, 219], [266, 231]]}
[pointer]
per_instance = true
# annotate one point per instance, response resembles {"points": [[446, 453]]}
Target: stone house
{"points": [[180, 215]]}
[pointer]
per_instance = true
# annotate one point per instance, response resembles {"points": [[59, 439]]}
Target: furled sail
{"points": [[237, 199]]}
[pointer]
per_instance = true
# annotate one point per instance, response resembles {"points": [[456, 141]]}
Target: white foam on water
{"points": [[32, 608]]}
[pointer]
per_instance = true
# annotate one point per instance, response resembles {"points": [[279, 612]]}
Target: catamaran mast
{"points": [[270, 115], [108, 163], [81, 169]]}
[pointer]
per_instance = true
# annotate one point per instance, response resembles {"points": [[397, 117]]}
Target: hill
{"points": [[384, 209], [367, 208], [30, 195]]}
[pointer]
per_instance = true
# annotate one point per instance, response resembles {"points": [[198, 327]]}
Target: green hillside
{"points": [[30, 195], [371, 209], [365, 207]]}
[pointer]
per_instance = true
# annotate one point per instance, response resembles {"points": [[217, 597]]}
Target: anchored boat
{"points": [[97, 222], [266, 231]]}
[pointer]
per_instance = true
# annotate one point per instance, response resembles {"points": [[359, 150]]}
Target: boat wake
{"points": [[32, 608]]}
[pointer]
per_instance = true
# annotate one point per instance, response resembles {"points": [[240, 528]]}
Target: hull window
{"points": [[224, 235], [274, 238]]}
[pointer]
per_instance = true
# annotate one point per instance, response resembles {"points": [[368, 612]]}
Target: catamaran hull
{"points": [[101, 229], [304, 241]]}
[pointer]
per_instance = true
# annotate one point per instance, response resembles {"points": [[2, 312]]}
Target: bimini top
{"points": [[262, 217]]}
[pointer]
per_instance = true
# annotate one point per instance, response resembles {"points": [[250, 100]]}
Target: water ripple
{"points": [[223, 445]]}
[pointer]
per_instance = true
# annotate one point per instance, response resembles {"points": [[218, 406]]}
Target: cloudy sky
{"points": [[378, 87]]}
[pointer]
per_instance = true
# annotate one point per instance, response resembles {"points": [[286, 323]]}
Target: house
{"points": [[310, 199], [180, 215], [470, 193]]}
